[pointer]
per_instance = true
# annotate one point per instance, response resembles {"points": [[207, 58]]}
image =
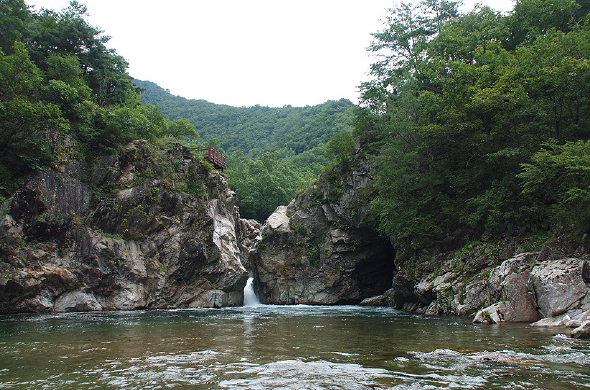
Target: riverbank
{"points": [[552, 285]]}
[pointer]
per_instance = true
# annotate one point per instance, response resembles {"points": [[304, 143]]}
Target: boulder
{"points": [[477, 294], [582, 331], [76, 301], [508, 284], [559, 285], [551, 322], [494, 314], [278, 221], [572, 319], [401, 292], [520, 304], [379, 300]]}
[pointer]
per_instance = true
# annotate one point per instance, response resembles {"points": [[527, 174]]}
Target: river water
{"points": [[283, 347]]}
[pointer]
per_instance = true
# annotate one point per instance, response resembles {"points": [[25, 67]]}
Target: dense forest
{"points": [[479, 122], [258, 129], [273, 152]]}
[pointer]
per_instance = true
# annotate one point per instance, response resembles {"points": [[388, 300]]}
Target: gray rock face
{"points": [[493, 314], [511, 283], [550, 288], [316, 251], [144, 243], [278, 222], [76, 301], [519, 289], [559, 285], [577, 320], [521, 305], [572, 319]]}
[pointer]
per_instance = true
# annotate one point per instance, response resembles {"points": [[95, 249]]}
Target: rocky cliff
{"points": [[319, 250], [145, 227]]}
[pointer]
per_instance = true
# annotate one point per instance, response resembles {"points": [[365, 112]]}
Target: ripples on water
{"points": [[283, 347]]}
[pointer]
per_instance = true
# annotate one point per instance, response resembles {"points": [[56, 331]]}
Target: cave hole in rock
{"points": [[373, 275]]}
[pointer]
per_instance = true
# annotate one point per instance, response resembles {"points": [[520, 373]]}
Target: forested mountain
{"points": [[257, 129], [480, 122], [273, 152]]}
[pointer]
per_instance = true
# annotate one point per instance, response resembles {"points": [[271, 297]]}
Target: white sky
{"points": [[246, 52]]}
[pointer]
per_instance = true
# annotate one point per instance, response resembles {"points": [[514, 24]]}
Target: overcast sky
{"points": [[246, 52]]}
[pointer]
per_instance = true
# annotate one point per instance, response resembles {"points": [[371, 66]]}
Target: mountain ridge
{"points": [[256, 129]]}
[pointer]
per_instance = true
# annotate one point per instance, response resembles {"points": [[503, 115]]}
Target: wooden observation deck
{"points": [[212, 155]]}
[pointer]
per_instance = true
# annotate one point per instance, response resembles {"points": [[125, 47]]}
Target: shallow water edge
{"points": [[287, 347]]}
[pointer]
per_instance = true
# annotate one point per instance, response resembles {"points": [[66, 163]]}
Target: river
{"points": [[282, 347]]}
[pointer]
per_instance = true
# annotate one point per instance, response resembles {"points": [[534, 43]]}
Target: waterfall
{"points": [[250, 298]]}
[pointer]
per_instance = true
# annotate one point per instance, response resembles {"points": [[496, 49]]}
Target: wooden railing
{"points": [[212, 155]]}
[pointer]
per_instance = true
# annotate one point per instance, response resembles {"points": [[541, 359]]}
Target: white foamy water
{"points": [[250, 298]]}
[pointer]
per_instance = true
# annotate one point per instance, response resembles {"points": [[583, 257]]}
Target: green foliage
{"points": [[341, 146], [19, 76], [295, 139], [559, 177], [262, 184], [460, 104], [532, 18], [255, 130], [58, 77], [181, 128], [13, 18], [24, 149]]}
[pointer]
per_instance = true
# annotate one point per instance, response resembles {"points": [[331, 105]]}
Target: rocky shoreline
{"points": [[532, 287], [155, 228]]}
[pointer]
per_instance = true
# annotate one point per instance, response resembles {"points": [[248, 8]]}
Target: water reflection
{"points": [[283, 347]]}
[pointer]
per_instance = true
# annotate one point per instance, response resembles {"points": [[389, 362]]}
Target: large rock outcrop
{"points": [[149, 227], [560, 285], [317, 250], [551, 285], [539, 289]]}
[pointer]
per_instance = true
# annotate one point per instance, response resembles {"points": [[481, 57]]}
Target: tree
{"points": [[558, 178], [458, 107], [67, 33], [262, 184], [182, 128], [341, 147], [24, 148], [19, 76], [401, 45], [57, 78], [532, 18], [13, 17]]}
